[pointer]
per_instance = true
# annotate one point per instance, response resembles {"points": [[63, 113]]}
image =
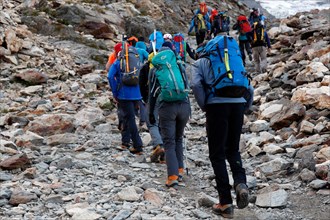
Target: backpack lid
{"points": [[178, 37], [242, 18]]}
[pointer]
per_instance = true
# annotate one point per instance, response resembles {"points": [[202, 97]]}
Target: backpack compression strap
{"points": [[230, 76], [226, 59], [173, 77]]}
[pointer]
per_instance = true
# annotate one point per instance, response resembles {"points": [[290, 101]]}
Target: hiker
{"points": [[168, 38], [169, 86], [132, 41], [140, 110], [256, 16], [201, 27], [243, 40], [126, 92], [142, 44], [224, 107], [158, 153], [219, 22], [125, 136], [182, 48], [156, 41], [113, 56], [259, 41]]}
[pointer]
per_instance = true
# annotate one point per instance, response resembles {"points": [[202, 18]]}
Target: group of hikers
{"points": [[150, 81], [252, 36]]}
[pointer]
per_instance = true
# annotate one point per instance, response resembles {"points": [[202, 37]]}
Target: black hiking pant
{"points": [[224, 123], [128, 115], [200, 36], [244, 45]]}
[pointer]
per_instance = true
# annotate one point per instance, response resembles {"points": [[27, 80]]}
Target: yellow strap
{"points": [[230, 76]]}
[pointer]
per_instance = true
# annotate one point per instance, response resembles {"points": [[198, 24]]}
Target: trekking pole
{"points": [[153, 43], [185, 153]]}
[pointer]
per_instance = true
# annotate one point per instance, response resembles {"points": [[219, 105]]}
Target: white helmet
{"points": [[167, 37]]}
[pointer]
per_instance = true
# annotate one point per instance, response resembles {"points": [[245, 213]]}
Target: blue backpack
{"points": [[158, 37], [180, 46], [230, 77], [221, 21]]}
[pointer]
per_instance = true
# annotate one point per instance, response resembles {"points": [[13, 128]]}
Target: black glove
{"points": [[152, 119]]}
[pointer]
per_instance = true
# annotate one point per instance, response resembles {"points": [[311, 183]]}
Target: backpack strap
{"points": [[229, 72], [226, 62]]}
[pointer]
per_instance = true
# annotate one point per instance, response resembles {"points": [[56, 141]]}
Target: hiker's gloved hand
{"points": [[152, 119]]}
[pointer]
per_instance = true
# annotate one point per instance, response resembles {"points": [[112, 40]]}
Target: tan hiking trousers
{"points": [[260, 58]]}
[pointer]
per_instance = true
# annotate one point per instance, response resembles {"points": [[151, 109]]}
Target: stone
{"points": [[21, 197], [273, 199], [16, 161]]}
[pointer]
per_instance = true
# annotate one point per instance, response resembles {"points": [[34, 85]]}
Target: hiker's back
{"points": [[243, 24], [180, 46], [173, 83], [258, 38], [200, 24], [229, 76], [130, 65]]}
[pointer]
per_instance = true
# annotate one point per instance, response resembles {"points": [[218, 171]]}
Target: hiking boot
{"points": [[226, 211], [250, 57], [136, 151], [172, 181], [156, 153], [181, 172], [143, 127], [124, 146], [162, 157], [242, 195]]}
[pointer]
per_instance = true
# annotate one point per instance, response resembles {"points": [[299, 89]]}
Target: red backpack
{"points": [[244, 24]]}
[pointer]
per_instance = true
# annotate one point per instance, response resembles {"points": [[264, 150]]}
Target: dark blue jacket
{"points": [[266, 42]]}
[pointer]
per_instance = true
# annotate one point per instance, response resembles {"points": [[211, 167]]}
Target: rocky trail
{"points": [[59, 156]]}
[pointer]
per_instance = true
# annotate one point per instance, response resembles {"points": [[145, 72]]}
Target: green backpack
{"points": [[173, 84]]}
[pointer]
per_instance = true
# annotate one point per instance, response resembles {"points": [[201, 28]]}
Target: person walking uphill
{"points": [[224, 107], [259, 40], [168, 83], [123, 80]]}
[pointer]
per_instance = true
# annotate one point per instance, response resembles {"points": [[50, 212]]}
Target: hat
{"points": [[118, 47], [168, 44], [167, 37]]}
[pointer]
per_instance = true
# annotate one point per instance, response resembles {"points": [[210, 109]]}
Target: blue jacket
{"points": [[192, 24], [119, 90], [143, 54], [141, 44], [253, 19], [202, 78]]}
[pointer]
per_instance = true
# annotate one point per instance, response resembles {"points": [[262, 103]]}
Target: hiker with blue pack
{"points": [[156, 41], [182, 48], [219, 22], [168, 85], [123, 78], [220, 83]]}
